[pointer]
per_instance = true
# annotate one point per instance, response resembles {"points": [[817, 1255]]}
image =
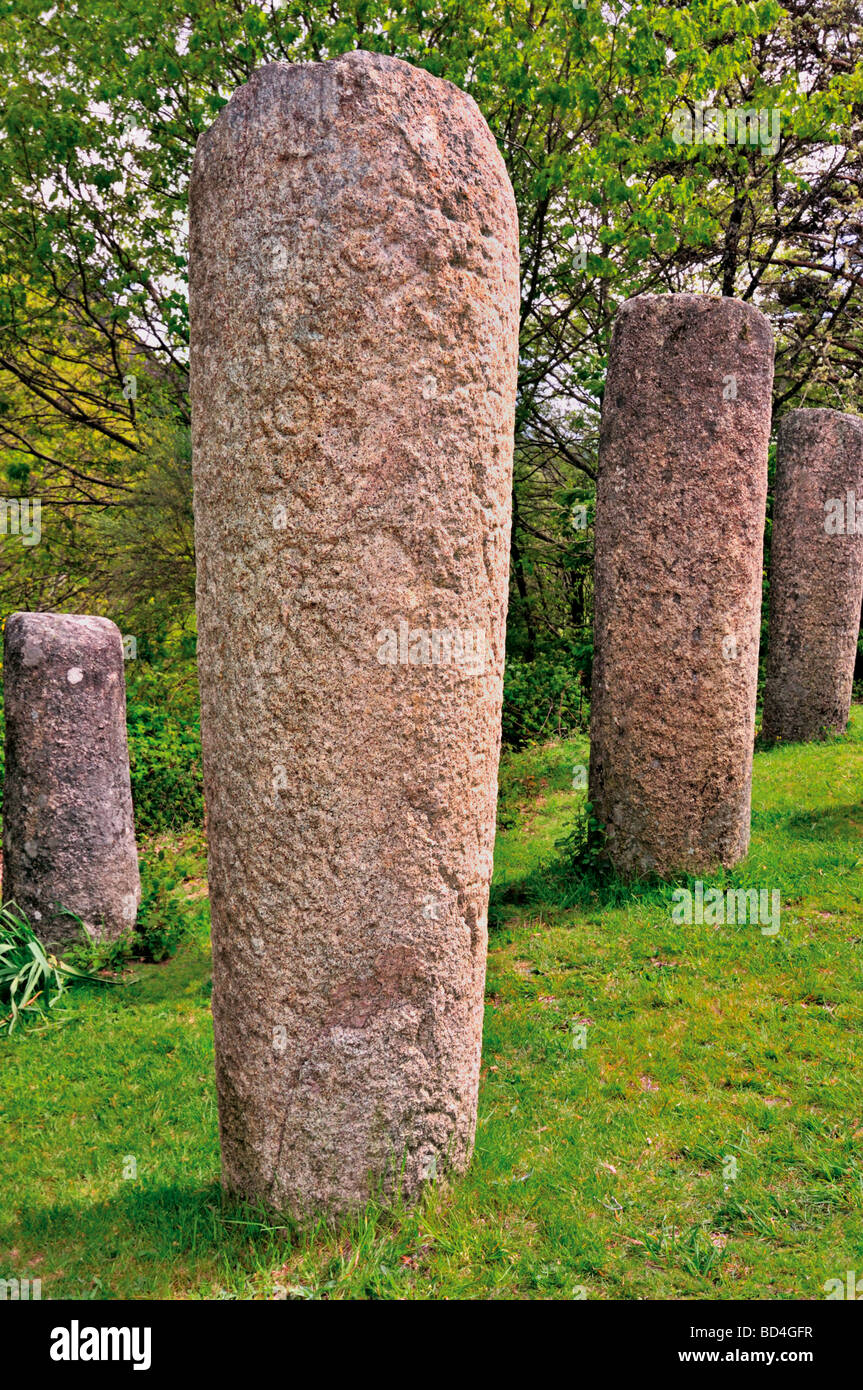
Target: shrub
{"points": [[544, 698], [30, 976], [165, 918], [165, 767], [163, 720]]}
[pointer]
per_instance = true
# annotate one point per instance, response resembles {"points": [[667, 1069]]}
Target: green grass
{"points": [[604, 1170]]}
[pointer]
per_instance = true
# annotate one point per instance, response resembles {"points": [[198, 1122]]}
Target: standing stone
{"points": [[68, 829], [354, 297], [816, 575], [681, 498]]}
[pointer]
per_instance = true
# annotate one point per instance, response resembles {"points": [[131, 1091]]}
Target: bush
{"points": [[166, 918], [163, 720], [545, 698], [165, 767]]}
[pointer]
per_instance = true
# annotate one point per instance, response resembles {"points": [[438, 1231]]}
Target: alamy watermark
{"points": [[13, 1289], [849, 1287], [77, 1343], [407, 646], [21, 516], [735, 906], [843, 516], [736, 125]]}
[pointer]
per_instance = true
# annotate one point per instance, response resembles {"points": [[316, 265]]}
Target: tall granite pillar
{"points": [[354, 300], [816, 575], [681, 498], [68, 829]]}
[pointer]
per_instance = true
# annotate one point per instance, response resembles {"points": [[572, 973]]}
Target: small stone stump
{"points": [[68, 828]]}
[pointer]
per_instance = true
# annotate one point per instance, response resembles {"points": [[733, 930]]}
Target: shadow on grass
{"points": [[108, 1248], [829, 739], [561, 883], [832, 823], [145, 1241], [184, 975]]}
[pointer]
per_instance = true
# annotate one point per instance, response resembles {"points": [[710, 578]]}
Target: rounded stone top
{"points": [[359, 67], [688, 304], [815, 435], [803, 414], [60, 630], [293, 108]]}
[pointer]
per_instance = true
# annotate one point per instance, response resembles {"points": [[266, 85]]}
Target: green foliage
{"points": [[583, 847], [545, 697], [101, 108], [167, 916], [165, 766], [98, 956], [30, 976], [164, 746]]}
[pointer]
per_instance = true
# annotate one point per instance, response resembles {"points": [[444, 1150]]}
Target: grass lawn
{"points": [[706, 1142]]}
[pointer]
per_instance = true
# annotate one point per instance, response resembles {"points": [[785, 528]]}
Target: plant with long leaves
{"points": [[30, 976]]}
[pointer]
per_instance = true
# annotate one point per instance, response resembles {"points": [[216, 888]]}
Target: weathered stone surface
{"points": [[816, 575], [68, 830], [354, 291], [681, 499]]}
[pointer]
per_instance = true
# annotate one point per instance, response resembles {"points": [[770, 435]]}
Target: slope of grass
{"points": [[706, 1141]]}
